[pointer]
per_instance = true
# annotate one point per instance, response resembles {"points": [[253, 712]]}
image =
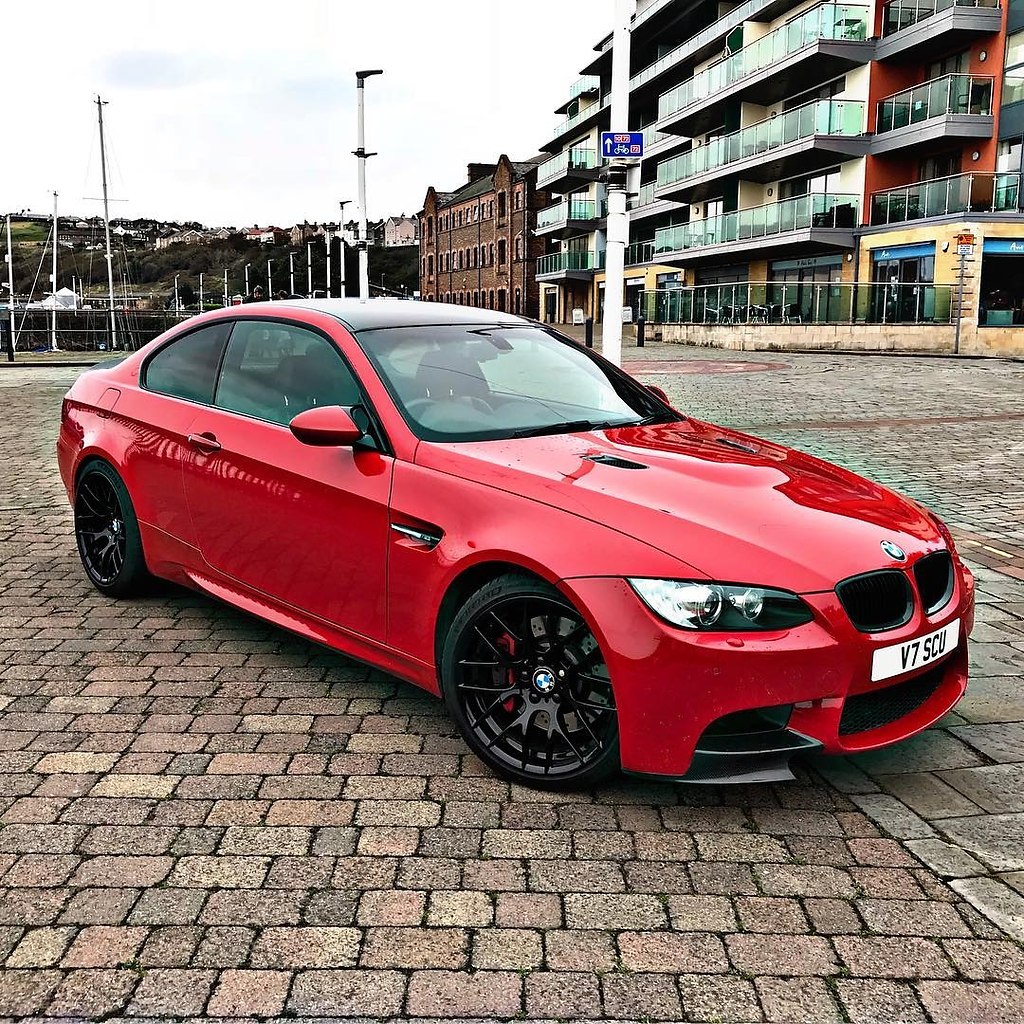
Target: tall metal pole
{"points": [[618, 216], [960, 300], [309, 270], [362, 156], [341, 249], [225, 287], [177, 302], [12, 340], [270, 283], [100, 104], [247, 266], [291, 273], [327, 242], [53, 292], [202, 307]]}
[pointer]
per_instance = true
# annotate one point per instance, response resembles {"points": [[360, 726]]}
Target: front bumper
{"points": [[673, 687]]}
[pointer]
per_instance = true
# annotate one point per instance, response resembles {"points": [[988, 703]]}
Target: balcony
{"points": [[569, 217], [646, 204], [927, 28], [587, 117], [940, 197], [569, 265], [575, 166], [818, 219], [801, 140], [639, 253], [821, 43], [951, 107], [588, 85]]}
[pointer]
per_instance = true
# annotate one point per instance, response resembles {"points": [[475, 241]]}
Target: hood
{"points": [[739, 509]]}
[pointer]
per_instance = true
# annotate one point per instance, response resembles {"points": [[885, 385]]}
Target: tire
{"points": [[526, 683], [107, 533]]}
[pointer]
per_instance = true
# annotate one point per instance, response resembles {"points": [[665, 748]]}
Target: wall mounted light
{"points": [[945, 246], [975, 155], [771, 192], [983, 56], [849, 257]]}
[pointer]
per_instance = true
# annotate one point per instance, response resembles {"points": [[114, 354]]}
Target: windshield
{"points": [[469, 383]]}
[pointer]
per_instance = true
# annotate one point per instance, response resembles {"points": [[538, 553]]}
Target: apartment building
{"points": [[478, 245], [809, 166]]}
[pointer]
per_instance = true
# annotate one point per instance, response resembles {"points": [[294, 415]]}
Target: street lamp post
{"points": [[618, 216], [177, 302], [309, 270], [247, 266], [270, 283], [291, 273], [202, 296], [327, 243], [362, 156]]}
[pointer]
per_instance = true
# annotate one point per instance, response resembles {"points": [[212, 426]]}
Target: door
{"points": [[307, 526]]}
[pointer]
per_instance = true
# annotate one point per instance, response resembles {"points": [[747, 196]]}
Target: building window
{"points": [[430, 228], [492, 299], [490, 209], [502, 205], [519, 198], [502, 253], [519, 247], [492, 254], [501, 300], [519, 301], [430, 266]]}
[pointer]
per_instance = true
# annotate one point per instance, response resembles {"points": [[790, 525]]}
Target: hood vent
{"points": [[614, 460], [737, 445]]}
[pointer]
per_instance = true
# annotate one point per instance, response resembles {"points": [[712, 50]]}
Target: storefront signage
{"points": [[1006, 246], [807, 261], [902, 252], [965, 245]]}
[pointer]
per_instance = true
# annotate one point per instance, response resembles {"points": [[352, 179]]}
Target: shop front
{"points": [[902, 277], [1001, 301]]}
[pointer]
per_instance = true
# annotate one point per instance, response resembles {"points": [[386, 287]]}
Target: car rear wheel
{"points": [[526, 682], [107, 532]]}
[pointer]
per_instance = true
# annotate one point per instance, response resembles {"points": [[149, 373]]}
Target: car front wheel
{"points": [[525, 680], [107, 532]]}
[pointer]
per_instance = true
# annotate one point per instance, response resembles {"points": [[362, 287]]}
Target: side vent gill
{"points": [[614, 460]]}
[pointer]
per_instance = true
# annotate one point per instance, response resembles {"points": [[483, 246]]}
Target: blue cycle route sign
{"points": [[622, 145]]}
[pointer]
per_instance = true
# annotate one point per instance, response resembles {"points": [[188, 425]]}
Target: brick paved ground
{"points": [[203, 815]]}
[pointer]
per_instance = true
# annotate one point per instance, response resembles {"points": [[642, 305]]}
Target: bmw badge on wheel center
{"points": [[591, 579]]}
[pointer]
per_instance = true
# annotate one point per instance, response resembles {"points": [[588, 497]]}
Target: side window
{"points": [[274, 371], [187, 368]]}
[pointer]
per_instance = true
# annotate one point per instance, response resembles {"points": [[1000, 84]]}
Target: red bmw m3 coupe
{"points": [[590, 579]]}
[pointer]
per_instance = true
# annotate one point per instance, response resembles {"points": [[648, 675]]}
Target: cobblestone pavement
{"points": [[204, 815]]}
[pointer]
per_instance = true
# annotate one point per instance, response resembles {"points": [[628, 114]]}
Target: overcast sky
{"points": [[233, 113]]}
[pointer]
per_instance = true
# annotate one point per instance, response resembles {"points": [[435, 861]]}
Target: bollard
{"points": [[588, 331], [641, 327], [8, 340]]}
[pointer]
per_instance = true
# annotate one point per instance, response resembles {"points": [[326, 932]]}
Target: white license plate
{"points": [[905, 657]]}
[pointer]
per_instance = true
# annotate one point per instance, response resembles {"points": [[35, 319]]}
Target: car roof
{"points": [[369, 314]]}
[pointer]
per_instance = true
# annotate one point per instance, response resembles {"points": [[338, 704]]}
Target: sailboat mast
{"points": [[100, 104], [53, 292], [12, 341]]}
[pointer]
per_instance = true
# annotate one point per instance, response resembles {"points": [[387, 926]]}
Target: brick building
{"points": [[477, 244]]}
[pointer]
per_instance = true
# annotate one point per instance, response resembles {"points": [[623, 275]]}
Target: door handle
{"points": [[204, 442]]}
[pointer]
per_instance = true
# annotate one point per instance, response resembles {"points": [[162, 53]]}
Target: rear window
{"points": [[187, 367]]}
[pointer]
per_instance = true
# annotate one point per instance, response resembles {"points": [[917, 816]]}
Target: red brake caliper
{"points": [[507, 644]]}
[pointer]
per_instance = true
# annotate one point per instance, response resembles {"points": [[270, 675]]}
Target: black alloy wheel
{"points": [[528, 686], [107, 532]]}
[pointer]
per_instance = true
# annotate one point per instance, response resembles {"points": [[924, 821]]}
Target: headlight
{"points": [[725, 609]]}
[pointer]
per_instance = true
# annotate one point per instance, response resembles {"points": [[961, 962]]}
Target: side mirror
{"points": [[326, 426], [658, 393]]}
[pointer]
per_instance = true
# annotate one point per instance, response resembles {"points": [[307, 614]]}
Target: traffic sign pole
{"points": [[964, 248], [618, 216]]}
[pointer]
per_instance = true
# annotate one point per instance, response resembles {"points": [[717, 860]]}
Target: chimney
{"points": [[474, 171]]}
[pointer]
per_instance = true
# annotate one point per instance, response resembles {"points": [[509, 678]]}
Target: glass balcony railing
{"points": [[568, 260], [588, 83], [820, 117], [568, 209], [580, 116], [786, 303], [959, 193], [644, 197], [717, 29], [951, 94], [901, 14], [818, 210], [576, 159], [639, 253], [826, 21]]}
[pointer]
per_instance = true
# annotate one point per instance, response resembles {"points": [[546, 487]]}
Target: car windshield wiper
{"points": [[572, 427]]}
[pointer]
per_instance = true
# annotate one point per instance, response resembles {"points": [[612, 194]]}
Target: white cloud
{"points": [[233, 113]]}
